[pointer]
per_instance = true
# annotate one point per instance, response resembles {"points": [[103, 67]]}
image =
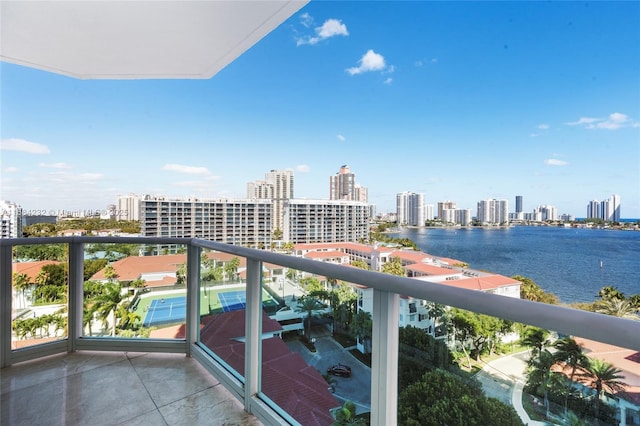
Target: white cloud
{"points": [[11, 170], [303, 168], [22, 145], [388, 81], [55, 165], [543, 126], [555, 162], [341, 138], [330, 28], [582, 120], [614, 121], [306, 20], [370, 61], [191, 170]]}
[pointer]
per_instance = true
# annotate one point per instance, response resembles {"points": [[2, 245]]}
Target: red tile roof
{"points": [[427, 269], [32, 269], [484, 283], [133, 267], [286, 378]]}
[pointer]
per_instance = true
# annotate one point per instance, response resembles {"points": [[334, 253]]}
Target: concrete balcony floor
{"points": [[116, 388]]}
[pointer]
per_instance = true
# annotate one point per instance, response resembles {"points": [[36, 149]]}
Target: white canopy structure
{"points": [[132, 39]]}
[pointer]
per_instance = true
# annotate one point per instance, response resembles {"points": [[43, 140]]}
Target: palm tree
{"points": [[21, 283], [569, 352], [603, 377], [535, 338], [362, 328], [309, 305], [621, 308], [106, 304], [540, 375]]}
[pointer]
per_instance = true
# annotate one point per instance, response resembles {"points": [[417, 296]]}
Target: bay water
{"points": [[574, 264]]}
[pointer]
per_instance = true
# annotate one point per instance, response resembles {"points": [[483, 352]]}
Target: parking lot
{"points": [[356, 388]]}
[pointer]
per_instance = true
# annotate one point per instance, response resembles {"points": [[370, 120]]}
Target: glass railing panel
{"points": [[222, 302], [135, 291], [313, 351], [519, 374], [573, 380], [39, 294]]}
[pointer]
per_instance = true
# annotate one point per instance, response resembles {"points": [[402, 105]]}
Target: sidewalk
{"points": [[504, 379]]}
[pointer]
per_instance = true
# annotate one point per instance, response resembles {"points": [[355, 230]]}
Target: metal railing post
{"points": [[6, 278], [384, 358], [253, 332], [192, 327], [75, 304]]}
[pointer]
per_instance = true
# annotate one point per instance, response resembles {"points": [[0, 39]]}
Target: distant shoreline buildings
{"points": [[271, 213]]}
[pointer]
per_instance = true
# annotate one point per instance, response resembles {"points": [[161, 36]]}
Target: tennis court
{"points": [[232, 300], [166, 311]]}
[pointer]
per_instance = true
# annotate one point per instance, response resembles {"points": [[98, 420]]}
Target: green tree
{"points": [[359, 263], [394, 267], [21, 282], [602, 376], [41, 252], [621, 308], [91, 266], [418, 352], [106, 304], [362, 329], [529, 290], [610, 292], [442, 398], [569, 353], [536, 338], [346, 415], [540, 378], [309, 305], [231, 268]]}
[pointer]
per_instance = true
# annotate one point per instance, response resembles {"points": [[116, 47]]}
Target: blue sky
{"points": [[461, 101]]}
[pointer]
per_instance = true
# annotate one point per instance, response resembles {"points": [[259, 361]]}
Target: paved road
{"points": [[356, 388], [504, 379]]}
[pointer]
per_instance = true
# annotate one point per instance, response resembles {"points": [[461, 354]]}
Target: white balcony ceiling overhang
{"points": [[94, 39]]}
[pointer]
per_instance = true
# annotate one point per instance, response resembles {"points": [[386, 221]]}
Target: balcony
{"points": [[193, 370]]}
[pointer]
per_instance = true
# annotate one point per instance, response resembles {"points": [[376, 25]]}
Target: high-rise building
{"points": [[260, 189], [278, 187], [493, 211], [10, 220], [610, 209], [593, 210], [519, 204], [325, 221], [442, 205], [410, 209], [242, 222], [547, 212], [128, 207]]}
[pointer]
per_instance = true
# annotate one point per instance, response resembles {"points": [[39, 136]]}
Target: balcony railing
{"points": [[247, 387]]}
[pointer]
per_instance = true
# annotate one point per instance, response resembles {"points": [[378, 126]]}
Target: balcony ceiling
{"points": [[136, 39]]}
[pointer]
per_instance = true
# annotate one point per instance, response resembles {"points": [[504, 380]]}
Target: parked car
{"points": [[339, 370]]}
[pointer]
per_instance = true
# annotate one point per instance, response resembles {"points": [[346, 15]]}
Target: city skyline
{"points": [[454, 100]]}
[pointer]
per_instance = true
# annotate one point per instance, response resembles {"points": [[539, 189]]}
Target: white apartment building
{"points": [[241, 222], [442, 205], [429, 213], [463, 217], [493, 211], [276, 186], [343, 186], [128, 207], [10, 220], [410, 208], [324, 221]]}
